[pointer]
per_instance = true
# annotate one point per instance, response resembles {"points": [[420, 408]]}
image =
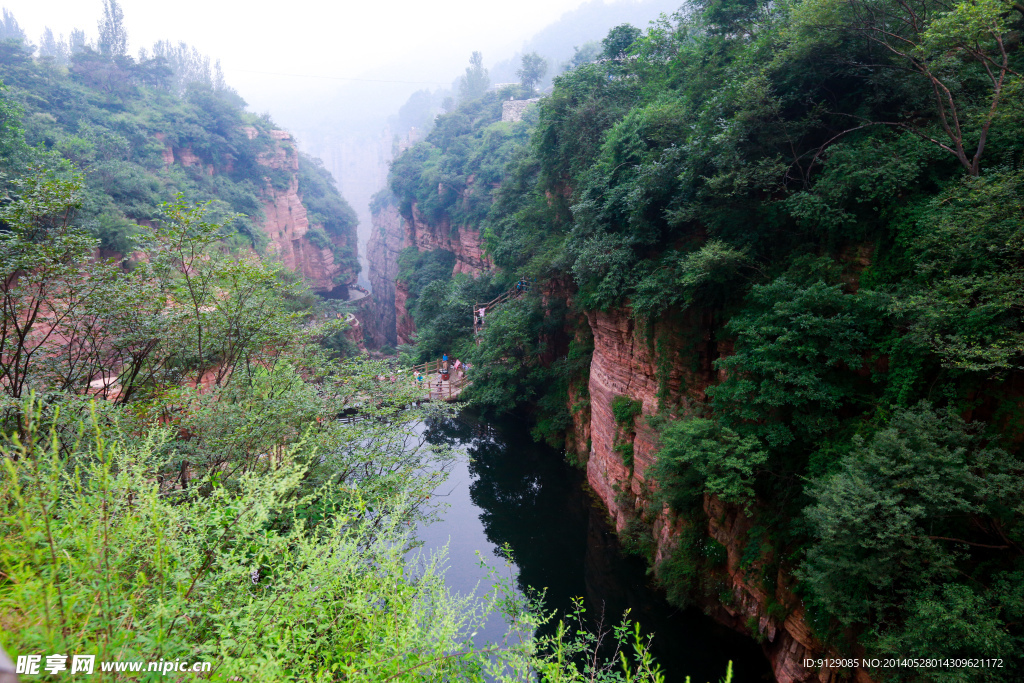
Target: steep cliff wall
{"points": [[287, 224], [465, 243], [286, 221], [405, 327], [387, 240], [671, 365], [641, 365], [392, 324]]}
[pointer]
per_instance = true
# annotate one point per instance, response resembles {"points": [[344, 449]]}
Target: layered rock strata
{"points": [[286, 222], [670, 365], [386, 242], [465, 243]]}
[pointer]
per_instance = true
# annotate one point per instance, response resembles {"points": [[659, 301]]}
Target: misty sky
{"points": [[428, 41]]}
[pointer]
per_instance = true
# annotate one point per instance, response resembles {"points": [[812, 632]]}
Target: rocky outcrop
{"points": [[513, 110], [405, 328], [669, 366], [286, 223], [465, 243], [637, 364], [786, 640]]}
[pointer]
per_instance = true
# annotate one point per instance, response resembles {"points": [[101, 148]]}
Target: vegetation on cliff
{"points": [[175, 484], [144, 130], [446, 183], [835, 188]]}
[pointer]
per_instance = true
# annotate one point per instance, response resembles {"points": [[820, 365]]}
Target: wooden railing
{"points": [[436, 388]]}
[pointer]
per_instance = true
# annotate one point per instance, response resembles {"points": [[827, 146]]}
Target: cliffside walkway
{"points": [[479, 321], [355, 293], [437, 389]]}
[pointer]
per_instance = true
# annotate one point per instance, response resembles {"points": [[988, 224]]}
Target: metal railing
{"points": [[522, 287]]}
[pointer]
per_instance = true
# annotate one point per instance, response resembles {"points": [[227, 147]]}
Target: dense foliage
{"points": [[831, 191], [451, 176], [212, 507], [175, 484], [117, 119]]}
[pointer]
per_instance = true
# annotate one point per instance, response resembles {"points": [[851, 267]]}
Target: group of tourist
{"points": [[445, 368]]}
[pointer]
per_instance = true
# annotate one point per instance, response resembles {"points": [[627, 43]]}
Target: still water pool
{"points": [[507, 489]]}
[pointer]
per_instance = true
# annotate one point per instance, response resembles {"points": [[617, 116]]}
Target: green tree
{"points": [[618, 41], [789, 378], [9, 27], [475, 82], [532, 70], [113, 41], [507, 371], [44, 284], [77, 42], [53, 47], [905, 531], [960, 54], [699, 456]]}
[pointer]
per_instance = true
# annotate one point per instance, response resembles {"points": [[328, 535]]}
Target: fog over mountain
{"points": [[355, 126], [336, 75]]}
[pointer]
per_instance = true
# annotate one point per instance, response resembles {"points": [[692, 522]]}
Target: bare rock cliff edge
{"points": [[659, 367]]}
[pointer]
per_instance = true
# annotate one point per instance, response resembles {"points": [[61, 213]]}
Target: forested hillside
{"points": [[177, 490], [144, 130], [444, 187], [779, 313]]}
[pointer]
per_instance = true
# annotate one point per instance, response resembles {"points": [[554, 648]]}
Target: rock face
{"points": [[392, 323], [626, 363], [287, 223], [463, 242], [386, 242], [671, 365], [513, 110], [405, 328]]}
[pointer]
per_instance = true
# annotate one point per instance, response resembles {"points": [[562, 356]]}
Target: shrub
{"points": [[626, 410], [700, 456]]}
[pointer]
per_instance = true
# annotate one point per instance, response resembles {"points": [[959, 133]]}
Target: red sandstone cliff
{"points": [[626, 363], [285, 223], [465, 243]]}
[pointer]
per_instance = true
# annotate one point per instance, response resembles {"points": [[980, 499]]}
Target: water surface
{"points": [[510, 490]]}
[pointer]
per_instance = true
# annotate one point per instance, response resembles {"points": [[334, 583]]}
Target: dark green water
{"points": [[515, 491]]}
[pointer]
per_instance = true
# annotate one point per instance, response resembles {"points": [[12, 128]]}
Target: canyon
{"points": [[668, 366], [391, 322]]}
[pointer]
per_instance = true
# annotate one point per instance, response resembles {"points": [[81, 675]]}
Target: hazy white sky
{"points": [[346, 38]]}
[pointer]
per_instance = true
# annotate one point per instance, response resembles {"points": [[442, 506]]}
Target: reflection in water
{"points": [[515, 491]]}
